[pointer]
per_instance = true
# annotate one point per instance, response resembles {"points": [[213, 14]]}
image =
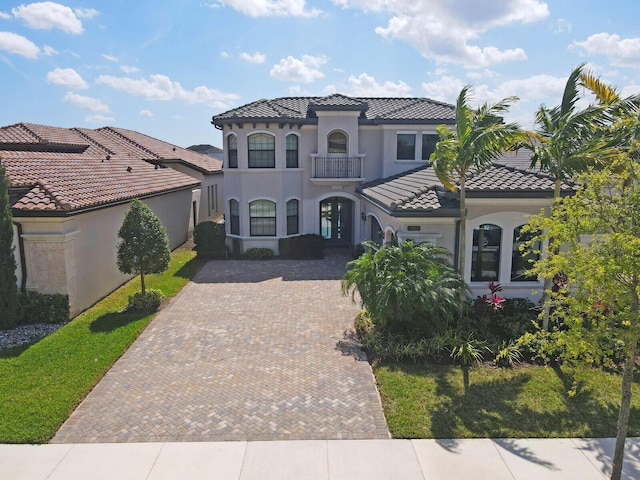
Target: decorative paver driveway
{"points": [[250, 350]]}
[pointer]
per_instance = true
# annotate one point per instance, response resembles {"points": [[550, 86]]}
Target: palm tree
{"points": [[566, 141], [480, 137]]}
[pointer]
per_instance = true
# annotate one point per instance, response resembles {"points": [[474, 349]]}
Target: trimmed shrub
{"points": [[145, 302], [235, 248], [209, 238], [44, 308], [309, 245], [358, 251], [259, 253]]}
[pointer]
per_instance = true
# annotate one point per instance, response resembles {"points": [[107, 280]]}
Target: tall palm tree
{"points": [[566, 140], [480, 137]]}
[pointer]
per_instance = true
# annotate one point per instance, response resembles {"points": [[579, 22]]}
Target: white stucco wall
{"points": [[210, 199], [76, 255]]}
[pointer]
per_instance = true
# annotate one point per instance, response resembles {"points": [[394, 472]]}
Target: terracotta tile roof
{"points": [[420, 192], [103, 172], [375, 110]]}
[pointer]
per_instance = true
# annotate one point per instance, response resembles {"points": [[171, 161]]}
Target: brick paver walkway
{"points": [[250, 350]]}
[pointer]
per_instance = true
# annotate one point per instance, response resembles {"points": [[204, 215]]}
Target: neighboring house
{"points": [[354, 169], [70, 190], [206, 149]]}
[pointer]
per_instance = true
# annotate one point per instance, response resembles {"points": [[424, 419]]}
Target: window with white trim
{"points": [[292, 217], [337, 143], [485, 253], [262, 218], [262, 153], [232, 148], [234, 217], [523, 260], [406, 146], [292, 151]]}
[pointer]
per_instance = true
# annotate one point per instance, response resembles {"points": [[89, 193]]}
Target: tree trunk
{"points": [[463, 227], [465, 378], [144, 289], [625, 401]]}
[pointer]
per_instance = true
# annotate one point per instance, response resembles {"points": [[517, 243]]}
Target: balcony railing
{"points": [[336, 167]]}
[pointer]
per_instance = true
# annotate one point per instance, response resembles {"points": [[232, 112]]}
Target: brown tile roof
{"points": [[419, 192], [102, 172], [374, 110]]}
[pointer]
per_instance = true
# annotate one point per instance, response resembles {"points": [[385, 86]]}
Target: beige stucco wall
{"points": [[210, 199], [76, 255]]}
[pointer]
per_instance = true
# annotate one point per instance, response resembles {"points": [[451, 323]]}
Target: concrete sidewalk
{"points": [[519, 459]]}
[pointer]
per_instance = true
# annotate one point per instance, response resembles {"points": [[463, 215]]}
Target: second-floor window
{"points": [[262, 152], [232, 147], [292, 151], [429, 141], [406, 146], [337, 143]]}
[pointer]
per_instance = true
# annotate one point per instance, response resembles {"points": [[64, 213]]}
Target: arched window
{"points": [[292, 217], [485, 254], [234, 217], [262, 218], [292, 151], [522, 260], [337, 143], [232, 148], [262, 153]]}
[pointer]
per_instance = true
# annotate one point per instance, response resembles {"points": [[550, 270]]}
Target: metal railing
{"points": [[336, 167]]}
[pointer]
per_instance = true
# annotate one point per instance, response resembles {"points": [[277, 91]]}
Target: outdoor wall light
{"points": [[362, 216]]}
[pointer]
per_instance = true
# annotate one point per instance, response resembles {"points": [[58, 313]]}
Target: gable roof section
{"points": [[420, 193], [374, 110], [103, 172]]}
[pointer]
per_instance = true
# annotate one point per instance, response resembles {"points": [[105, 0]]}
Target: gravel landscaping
{"points": [[25, 334]]}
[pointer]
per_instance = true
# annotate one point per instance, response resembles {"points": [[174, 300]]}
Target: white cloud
{"points": [[90, 103], [86, 12], [255, 58], [49, 50], [303, 69], [445, 89], [620, 51], [272, 8], [366, 86], [161, 87], [110, 58], [6, 16], [129, 70], [14, 43], [442, 30], [101, 119], [146, 113], [67, 77], [225, 55], [48, 15]]}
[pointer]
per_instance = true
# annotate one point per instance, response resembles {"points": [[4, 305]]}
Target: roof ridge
{"points": [[95, 143], [131, 141], [56, 198], [30, 131]]}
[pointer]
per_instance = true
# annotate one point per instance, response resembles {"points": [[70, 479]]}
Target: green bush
{"points": [[44, 308], [302, 246], [258, 253], [358, 251], [515, 317], [145, 302], [209, 238]]}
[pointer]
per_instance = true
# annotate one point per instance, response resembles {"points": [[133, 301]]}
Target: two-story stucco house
{"points": [[354, 169]]}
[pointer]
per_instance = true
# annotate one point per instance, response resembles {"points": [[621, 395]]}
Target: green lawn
{"points": [[41, 384], [428, 401]]}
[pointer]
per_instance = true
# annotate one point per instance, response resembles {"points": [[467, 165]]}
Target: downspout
{"points": [[456, 248], [23, 261]]}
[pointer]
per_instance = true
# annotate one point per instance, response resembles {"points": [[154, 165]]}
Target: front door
{"points": [[336, 221]]}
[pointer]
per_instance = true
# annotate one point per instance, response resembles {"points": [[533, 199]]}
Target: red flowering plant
{"points": [[493, 300]]}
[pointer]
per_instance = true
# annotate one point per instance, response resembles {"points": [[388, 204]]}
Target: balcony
{"points": [[336, 170]]}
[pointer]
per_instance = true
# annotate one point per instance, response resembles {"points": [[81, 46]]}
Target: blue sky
{"points": [[165, 67]]}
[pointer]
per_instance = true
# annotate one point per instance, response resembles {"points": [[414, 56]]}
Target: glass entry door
{"points": [[336, 221]]}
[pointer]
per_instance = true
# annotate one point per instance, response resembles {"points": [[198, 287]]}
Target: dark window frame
{"points": [[486, 253], [293, 219], [292, 153], [405, 151], [261, 157], [430, 145], [335, 147], [232, 152], [522, 261], [261, 225], [234, 217]]}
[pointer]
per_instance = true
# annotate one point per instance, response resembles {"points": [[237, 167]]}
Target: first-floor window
{"points": [[523, 260], [262, 218], [485, 255], [292, 217], [234, 220]]}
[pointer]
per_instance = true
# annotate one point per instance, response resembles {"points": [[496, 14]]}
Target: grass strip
{"points": [[428, 401], [41, 384]]}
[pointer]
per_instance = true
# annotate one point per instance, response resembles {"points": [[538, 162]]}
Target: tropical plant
{"points": [[407, 286], [9, 300], [468, 352], [507, 354], [144, 247], [480, 137]]}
